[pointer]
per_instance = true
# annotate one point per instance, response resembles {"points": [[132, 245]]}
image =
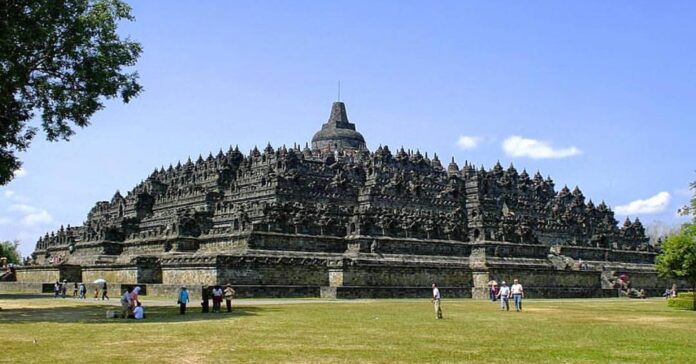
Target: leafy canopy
{"points": [[62, 59], [678, 257], [10, 250]]}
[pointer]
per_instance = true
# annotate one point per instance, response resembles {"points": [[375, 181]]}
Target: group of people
{"points": [[670, 293], [503, 293], [217, 293], [60, 289], [131, 307]]}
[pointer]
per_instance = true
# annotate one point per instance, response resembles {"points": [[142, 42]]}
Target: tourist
{"points": [[229, 295], [139, 312], [96, 293], [83, 291], [183, 300], [105, 293], [436, 302], [64, 288], [205, 301], [125, 304], [56, 289], [134, 297], [517, 294], [504, 295], [493, 290], [75, 289], [217, 298]]}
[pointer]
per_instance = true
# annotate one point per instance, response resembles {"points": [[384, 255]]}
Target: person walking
{"points": [[517, 294], [64, 288], [436, 302], [56, 289], [183, 300], [217, 298], [75, 288], [105, 292], [229, 295], [83, 291], [504, 295]]}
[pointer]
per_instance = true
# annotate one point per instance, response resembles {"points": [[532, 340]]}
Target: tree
{"points": [[678, 257], [61, 58], [659, 230], [10, 250]]}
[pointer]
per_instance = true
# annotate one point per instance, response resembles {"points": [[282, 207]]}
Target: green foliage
{"points": [[10, 250], [61, 58], [683, 300], [678, 257]]}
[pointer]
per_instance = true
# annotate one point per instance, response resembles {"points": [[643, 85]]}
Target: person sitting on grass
{"points": [[139, 312]]}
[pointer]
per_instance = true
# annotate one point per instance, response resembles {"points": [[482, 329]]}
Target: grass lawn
{"points": [[589, 330]]}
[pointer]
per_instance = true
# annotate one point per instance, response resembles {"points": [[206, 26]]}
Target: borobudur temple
{"points": [[336, 220]]}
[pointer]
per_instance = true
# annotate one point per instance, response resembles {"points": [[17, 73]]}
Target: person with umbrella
{"points": [[105, 290], [98, 282]]}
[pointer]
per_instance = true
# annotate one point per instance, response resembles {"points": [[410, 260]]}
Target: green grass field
{"points": [[574, 331]]}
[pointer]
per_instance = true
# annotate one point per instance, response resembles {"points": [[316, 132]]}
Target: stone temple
{"points": [[338, 220]]}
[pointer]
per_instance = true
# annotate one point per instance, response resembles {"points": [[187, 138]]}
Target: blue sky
{"points": [[595, 94]]}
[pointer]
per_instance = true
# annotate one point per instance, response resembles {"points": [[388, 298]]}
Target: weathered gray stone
{"points": [[351, 221]]}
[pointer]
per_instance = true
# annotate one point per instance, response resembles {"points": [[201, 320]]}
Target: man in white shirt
{"points": [[504, 295], [517, 294], [436, 302], [217, 298]]}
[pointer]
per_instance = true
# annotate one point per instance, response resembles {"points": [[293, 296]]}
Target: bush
{"points": [[683, 301]]}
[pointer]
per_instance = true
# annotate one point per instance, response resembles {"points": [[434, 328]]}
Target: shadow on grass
{"points": [[96, 314], [24, 296]]}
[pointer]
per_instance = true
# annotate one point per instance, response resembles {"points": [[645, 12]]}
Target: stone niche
{"points": [[149, 270]]}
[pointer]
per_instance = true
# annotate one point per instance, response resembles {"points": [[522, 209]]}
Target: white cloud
{"points": [[5, 220], [32, 215], [466, 142], [8, 193], [23, 208], [651, 205], [40, 217], [20, 173], [517, 146]]}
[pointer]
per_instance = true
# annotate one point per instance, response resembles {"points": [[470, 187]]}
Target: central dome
{"points": [[338, 133]]}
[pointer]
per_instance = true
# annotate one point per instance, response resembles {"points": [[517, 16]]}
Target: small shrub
{"points": [[683, 301]]}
